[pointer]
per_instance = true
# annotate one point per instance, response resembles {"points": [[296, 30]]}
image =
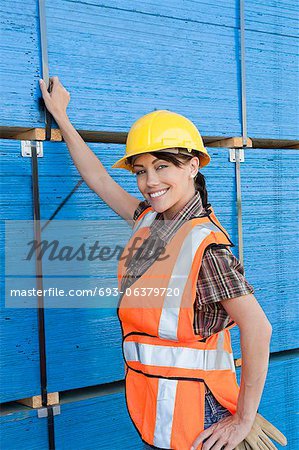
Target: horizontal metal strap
{"points": [[178, 357]]}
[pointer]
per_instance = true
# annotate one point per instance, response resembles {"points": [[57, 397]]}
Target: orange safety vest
{"points": [[167, 364]]}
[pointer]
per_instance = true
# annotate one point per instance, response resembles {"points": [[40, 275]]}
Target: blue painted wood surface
{"points": [[279, 17], [277, 299], [91, 420], [21, 428], [89, 338], [271, 75], [145, 61], [20, 66], [279, 402], [99, 422], [270, 233], [19, 362], [128, 59]]}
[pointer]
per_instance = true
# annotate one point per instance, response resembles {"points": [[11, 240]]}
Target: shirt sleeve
{"points": [[221, 276], [140, 208]]}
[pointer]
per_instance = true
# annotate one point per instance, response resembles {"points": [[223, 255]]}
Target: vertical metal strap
{"points": [[243, 74], [244, 131], [45, 65], [40, 309], [239, 206]]}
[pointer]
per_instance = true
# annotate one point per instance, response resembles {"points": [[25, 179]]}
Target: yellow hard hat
{"points": [[160, 130]]}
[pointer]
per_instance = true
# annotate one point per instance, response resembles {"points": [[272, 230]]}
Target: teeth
{"points": [[158, 194]]}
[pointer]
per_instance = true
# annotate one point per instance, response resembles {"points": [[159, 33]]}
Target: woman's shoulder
{"points": [[221, 275], [221, 253]]}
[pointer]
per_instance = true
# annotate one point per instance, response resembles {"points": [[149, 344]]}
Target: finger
{"points": [[203, 435], [212, 442], [54, 83], [43, 88], [65, 90]]}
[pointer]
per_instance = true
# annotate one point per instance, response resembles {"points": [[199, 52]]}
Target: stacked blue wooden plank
{"points": [[270, 233], [97, 421], [20, 64], [268, 181], [88, 334], [87, 420], [279, 17], [279, 402], [146, 61], [129, 59], [21, 428], [97, 418], [272, 85], [19, 362], [275, 298], [272, 68]]}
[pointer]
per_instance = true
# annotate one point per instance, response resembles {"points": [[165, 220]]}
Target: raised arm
{"points": [[90, 167]]}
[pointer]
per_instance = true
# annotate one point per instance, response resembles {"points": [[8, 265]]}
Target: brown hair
{"points": [[178, 160]]}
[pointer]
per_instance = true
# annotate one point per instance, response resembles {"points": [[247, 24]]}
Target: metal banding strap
{"points": [[64, 201], [40, 309], [244, 130], [239, 208], [168, 325], [178, 357], [45, 65], [243, 73], [165, 412]]}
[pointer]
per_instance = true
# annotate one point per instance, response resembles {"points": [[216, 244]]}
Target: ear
{"points": [[194, 166]]}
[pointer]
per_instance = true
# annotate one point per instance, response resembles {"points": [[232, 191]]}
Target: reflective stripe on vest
{"points": [[168, 326], [164, 412], [146, 221], [178, 357]]}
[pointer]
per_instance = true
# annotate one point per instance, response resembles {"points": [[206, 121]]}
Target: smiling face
{"points": [[167, 187]]}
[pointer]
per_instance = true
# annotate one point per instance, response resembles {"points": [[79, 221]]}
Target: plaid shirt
{"points": [[221, 275]]}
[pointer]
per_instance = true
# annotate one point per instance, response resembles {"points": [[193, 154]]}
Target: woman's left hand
{"points": [[226, 434]]}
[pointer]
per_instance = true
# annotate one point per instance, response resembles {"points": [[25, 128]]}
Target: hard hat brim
{"points": [[204, 159]]}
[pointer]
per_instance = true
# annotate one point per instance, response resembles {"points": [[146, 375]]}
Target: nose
{"points": [[152, 178]]}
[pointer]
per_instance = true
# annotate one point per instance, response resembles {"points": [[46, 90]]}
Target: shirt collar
{"points": [[165, 230]]}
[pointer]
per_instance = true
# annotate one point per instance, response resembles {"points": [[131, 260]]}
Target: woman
{"points": [[166, 376]]}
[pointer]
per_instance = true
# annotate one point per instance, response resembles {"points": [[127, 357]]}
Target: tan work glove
{"points": [[258, 438]]}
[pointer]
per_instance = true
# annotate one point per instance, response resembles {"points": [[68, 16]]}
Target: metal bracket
{"points": [[43, 412], [26, 148], [232, 154]]}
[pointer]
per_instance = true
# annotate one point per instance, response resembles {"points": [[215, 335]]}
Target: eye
{"points": [[161, 165], [140, 172]]}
